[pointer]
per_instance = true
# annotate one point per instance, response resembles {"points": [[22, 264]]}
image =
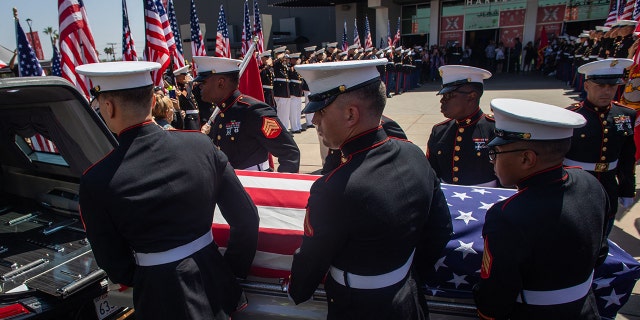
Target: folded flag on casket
{"points": [[281, 200]]}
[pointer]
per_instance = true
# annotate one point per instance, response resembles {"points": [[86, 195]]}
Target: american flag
{"points": [[156, 48], [178, 54], [257, 27], [612, 18], [28, 65], [389, 40], [128, 48], [223, 48], [198, 47], [345, 43], [76, 42], [281, 200], [396, 39], [627, 12], [368, 43], [168, 32], [41, 144], [246, 29], [356, 37], [55, 63], [636, 11]]}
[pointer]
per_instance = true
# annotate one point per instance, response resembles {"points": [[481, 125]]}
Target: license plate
{"points": [[103, 307]]}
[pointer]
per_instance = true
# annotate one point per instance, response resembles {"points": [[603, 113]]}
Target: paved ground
{"points": [[417, 111]]}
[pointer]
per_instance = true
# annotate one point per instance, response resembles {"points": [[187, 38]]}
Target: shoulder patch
{"points": [[308, 229], [490, 117], [270, 128], [619, 104], [443, 122], [574, 107], [487, 260]]}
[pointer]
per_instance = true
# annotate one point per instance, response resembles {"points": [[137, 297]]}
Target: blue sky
{"points": [[105, 19]]}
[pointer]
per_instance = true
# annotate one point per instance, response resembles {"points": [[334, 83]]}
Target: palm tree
{"points": [[109, 51], [53, 35]]}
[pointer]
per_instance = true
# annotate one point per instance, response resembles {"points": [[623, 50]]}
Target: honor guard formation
{"points": [[369, 236]]}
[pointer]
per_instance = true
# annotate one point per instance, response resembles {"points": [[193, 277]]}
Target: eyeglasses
{"points": [[450, 94], [493, 153]]}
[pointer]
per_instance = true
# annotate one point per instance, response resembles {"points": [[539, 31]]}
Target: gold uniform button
{"points": [[602, 115], [455, 169], [626, 133], [604, 148], [220, 126], [219, 137], [606, 130], [604, 122], [596, 109], [222, 106], [605, 139], [455, 179], [583, 135], [222, 114], [461, 130], [456, 158], [479, 154], [456, 148], [233, 138], [603, 158], [459, 139], [439, 152]]}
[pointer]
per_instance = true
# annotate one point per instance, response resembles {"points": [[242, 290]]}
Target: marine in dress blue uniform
{"points": [[456, 147], [266, 77], [542, 244], [151, 229], [245, 129], [605, 146], [365, 237]]}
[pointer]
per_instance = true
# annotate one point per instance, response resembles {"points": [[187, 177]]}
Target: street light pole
{"points": [[33, 41]]}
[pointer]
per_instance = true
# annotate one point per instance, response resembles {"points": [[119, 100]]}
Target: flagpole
{"points": [[249, 54]]}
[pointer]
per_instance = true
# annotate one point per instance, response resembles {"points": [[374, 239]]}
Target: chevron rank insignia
{"points": [[270, 128]]}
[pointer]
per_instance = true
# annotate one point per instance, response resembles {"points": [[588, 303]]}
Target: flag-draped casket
{"points": [[281, 200]]}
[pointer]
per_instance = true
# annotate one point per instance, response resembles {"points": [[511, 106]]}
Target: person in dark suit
{"points": [[456, 146], [377, 218], [151, 229], [605, 146], [245, 129], [542, 244]]}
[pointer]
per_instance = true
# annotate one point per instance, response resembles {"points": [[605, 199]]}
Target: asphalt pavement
{"points": [[418, 110]]}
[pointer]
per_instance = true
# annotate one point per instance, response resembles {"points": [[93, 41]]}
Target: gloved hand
{"points": [[625, 202]]}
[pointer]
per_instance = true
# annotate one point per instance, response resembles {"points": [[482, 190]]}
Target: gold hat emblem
{"points": [[613, 63], [468, 79], [440, 72], [526, 136], [342, 88]]}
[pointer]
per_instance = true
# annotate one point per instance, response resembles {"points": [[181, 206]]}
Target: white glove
{"points": [[626, 202]]}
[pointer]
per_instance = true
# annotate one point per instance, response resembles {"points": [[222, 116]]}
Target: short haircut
{"points": [[549, 150], [138, 98], [374, 95]]}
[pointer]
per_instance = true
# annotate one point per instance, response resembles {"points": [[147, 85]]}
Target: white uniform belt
{"points": [[281, 79], [267, 87], [560, 296], [490, 184], [372, 282], [597, 167], [295, 81], [259, 167], [191, 111], [175, 254]]}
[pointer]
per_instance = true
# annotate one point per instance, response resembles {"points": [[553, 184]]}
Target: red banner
{"points": [[34, 41], [509, 34], [452, 23], [551, 14], [454, 36], [512, 18], [550, 28]]}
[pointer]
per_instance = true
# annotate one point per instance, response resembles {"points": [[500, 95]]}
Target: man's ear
{"points": [[352, 113], [529, 159], [109, 107]]}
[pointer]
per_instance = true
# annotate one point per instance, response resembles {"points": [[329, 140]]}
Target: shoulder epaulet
{"points": [[443, 122], [619, 104], [490, 117], [574, 107]]}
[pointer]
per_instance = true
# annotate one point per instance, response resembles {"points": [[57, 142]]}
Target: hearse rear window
{"points": [[40, 149]]}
